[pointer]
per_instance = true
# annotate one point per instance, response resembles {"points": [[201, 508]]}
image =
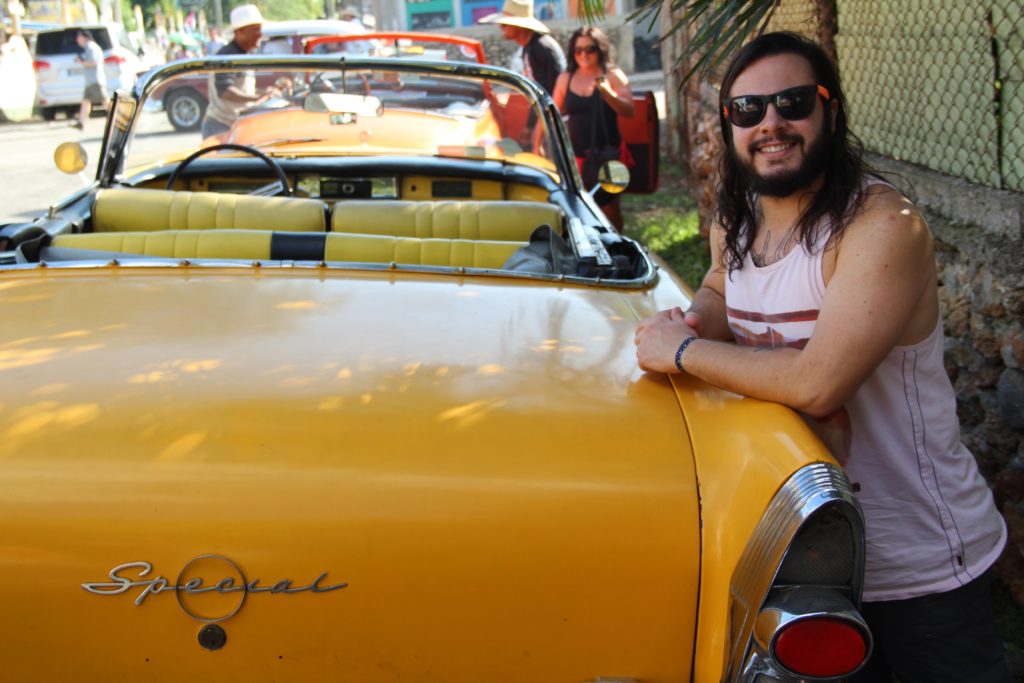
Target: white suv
{"points": [[59, 80]]}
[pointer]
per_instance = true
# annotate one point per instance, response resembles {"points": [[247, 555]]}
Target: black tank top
{"points": [[585, 126]]}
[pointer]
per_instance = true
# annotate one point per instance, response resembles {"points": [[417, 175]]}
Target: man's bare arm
{"points": [[881, 294], [238, 96], [707, 314]]}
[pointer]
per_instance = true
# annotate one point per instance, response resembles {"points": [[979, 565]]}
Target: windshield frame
{"points": [[541, 102]]}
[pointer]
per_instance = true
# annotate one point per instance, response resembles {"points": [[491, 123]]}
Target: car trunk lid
{"points": [[480, 463]]}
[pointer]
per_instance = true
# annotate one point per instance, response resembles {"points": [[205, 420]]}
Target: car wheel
{"points": [[185, 109], [48, 113]]}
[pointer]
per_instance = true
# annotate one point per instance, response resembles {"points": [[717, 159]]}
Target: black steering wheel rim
{"points": [[274, 166]]}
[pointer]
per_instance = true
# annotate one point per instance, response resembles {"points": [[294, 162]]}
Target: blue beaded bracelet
{"points": [[679, 353]]}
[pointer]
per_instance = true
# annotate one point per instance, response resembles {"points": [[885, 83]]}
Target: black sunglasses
{"points": [[588, 49], [793, 104]]}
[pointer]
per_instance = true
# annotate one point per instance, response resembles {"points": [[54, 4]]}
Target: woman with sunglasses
{"points": [[593, 93]]}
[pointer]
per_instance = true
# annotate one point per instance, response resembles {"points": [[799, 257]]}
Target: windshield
{"points": [[392, 110]]}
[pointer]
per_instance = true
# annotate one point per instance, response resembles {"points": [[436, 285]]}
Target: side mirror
{"points": [[613, 177], [70, 157]]}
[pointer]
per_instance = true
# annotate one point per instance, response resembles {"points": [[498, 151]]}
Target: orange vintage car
{"points": [[357, 400]]}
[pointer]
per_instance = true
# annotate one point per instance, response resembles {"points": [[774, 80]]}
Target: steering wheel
{"points": [[320, 84], [274, 166]]}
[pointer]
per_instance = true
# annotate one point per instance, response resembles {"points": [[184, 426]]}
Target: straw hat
{"points": [[517, 13], [245, 15]]}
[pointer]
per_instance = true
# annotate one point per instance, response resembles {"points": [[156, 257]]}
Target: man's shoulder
{"points": [[231, 48], [887, 218], [547, 42]]}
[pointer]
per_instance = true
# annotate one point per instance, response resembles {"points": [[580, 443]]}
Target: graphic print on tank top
{"points": [[792, 329]]}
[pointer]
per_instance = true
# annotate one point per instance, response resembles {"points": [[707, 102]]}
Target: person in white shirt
{"points": [[95, 94]]}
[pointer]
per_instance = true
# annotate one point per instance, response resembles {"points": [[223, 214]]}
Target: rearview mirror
{"points": [[342, 103]]}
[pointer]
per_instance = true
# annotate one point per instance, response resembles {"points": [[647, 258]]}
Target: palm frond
{"points": [[716, 28]]}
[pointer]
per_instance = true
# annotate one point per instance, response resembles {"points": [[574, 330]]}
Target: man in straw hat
{"points": [[230, 93], [351, 13], [543, 58]]}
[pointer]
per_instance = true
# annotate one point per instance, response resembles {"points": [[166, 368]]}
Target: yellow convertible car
{"points": [[348, 393]]}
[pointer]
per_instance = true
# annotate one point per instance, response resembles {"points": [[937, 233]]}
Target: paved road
{"points": [[29, 180]]}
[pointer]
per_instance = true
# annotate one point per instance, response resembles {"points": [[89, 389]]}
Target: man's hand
{"points": [[692, 319], [658, 338], [268, 93]]}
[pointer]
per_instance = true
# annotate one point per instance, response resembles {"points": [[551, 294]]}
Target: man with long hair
{"points": [[822, 296]]}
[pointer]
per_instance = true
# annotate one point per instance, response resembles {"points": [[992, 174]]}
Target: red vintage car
{"points": [[641, 132]]}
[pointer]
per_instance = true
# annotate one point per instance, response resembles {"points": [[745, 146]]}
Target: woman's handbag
{"points": [[595, 157]]}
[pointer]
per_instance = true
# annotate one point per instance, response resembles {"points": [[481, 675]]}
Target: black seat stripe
{"points": [[297, 246]]}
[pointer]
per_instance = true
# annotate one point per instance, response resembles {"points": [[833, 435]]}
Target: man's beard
{"points": [[786, 183]]}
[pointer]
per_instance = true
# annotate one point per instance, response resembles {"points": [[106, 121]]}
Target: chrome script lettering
{"points": [[121, 582]]}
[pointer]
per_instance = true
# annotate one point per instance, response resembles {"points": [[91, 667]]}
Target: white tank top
{"points": [[931, 522]]}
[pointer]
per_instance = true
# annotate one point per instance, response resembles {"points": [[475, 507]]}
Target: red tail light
{"points": [[40, 65], [115, 59], [820, 647]]}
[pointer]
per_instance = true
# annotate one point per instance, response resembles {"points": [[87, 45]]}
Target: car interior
{"points": [[464, 195]]}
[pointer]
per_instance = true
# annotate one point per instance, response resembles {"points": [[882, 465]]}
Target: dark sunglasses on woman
{"points": [[586, 49], [793, 104]]}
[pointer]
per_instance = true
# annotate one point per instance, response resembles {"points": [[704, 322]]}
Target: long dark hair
{"points": [[604, 50], [839, 198]]}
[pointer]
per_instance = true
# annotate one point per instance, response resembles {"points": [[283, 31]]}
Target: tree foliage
{"points": [[712, 29], [275, 10]]}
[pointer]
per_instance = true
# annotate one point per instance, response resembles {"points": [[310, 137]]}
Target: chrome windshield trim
{"points": [[144, 262], [546, 109], [809, 489]]}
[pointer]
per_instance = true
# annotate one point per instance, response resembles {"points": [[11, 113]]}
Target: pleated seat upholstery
{"points": [[511, 221], [310, 246], [138, 210]]}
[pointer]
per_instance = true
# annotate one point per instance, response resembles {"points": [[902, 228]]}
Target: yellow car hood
{"points": [[503, 494]]}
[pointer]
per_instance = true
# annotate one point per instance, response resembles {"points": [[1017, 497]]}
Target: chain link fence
{"points": [[938, 83]]}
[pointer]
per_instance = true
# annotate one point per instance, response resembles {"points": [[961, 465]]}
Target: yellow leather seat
{"points": [[267, 245], [213, 244], [425, 252], [138, 210], [511, 221]]}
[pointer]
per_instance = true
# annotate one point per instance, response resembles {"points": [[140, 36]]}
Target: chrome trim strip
{"points": [[158, 262], [807, 491]]}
